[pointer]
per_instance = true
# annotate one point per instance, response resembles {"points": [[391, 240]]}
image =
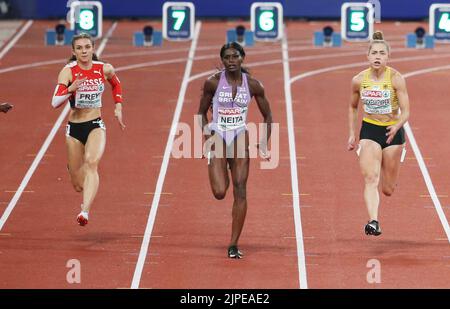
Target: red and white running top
{"points": [[89, 94]]}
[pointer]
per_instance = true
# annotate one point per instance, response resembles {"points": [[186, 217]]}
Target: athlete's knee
{"points": [[91, 162], [371, 178], [220, 193], [388, 190], [77, 187], [240, 191]]}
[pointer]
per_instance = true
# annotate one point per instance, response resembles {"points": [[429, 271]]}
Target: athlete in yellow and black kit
{"points": [[379, 99], [382, 91]]}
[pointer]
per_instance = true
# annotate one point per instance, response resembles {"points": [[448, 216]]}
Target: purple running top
{"points": [[230, 114]]}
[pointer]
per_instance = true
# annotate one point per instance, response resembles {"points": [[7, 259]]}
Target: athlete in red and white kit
{"points": [[82, 82]]}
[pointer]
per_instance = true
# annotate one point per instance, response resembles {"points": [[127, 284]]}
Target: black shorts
{"points": [[378, 134], [81, 130]]}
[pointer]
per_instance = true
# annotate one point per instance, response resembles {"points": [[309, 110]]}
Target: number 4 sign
{"points": [[440, 21]]}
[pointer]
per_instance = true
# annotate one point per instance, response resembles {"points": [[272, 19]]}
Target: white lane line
{"points": [[45, 146], [417, 153], [31, 65], [427, 178], [204, 57], [140, 53], [177, 50], [294, 173], [16, 37], [162, 173], [420, 160], [360, 64], [319, 71]]}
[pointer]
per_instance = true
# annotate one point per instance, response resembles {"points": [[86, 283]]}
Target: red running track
{"points": [[191, 231]]}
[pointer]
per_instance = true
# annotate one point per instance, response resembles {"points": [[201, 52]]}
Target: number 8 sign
{"points": [[86, 16], [357, 21], [267, 20]]}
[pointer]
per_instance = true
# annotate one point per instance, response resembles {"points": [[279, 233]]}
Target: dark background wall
{"points": [[311, 9]]}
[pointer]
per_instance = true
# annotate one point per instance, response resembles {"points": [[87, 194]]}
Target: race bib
{"points": [[377, 101], [89, 96], [231, 118]]}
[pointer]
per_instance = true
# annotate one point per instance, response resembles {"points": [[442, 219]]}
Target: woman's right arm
{"points": [[209, 89], [353, 112], [62, 92]]}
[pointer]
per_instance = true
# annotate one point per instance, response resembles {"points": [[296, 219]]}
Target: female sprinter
{"points": [[382, 91], [229, 93], [82, 81]]}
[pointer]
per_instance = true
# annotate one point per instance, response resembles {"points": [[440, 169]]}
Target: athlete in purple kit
{"points": [[229, 93]]}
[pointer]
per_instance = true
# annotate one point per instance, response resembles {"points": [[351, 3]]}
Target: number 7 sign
{"points": [[178, 20]]}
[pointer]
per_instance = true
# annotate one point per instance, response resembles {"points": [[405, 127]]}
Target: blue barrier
{"points": [[319, 40], [232, 36], [412, 41], [50, 37], [139, 39]]}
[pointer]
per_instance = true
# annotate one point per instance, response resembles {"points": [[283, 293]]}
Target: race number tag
{"points": [[377, 101], [231, 118]]}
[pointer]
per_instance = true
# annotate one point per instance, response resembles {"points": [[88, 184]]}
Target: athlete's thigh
{"points": [[370, 157], [390, 165], [75, 154], [95, 145], [217, 163], [241, 162], [240, 170]]}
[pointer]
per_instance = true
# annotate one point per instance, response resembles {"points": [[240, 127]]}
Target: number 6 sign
{"points": [[267, 20]]}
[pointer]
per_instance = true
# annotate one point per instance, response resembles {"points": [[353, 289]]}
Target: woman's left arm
{"points": [[399, 84], [257, 91], [114, 81]]}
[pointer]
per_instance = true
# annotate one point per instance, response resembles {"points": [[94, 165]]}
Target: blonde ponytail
{"points": [[378, 37]]}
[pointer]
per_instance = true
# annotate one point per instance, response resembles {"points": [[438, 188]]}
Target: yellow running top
{"points": [[378, 97]]}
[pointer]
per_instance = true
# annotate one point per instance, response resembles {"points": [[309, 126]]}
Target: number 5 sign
{"points": [[357, 21], [267, 20]]}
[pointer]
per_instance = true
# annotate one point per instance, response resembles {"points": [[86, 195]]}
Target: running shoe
{"points": [[234, 253], [82, 218], [373, 228]]}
